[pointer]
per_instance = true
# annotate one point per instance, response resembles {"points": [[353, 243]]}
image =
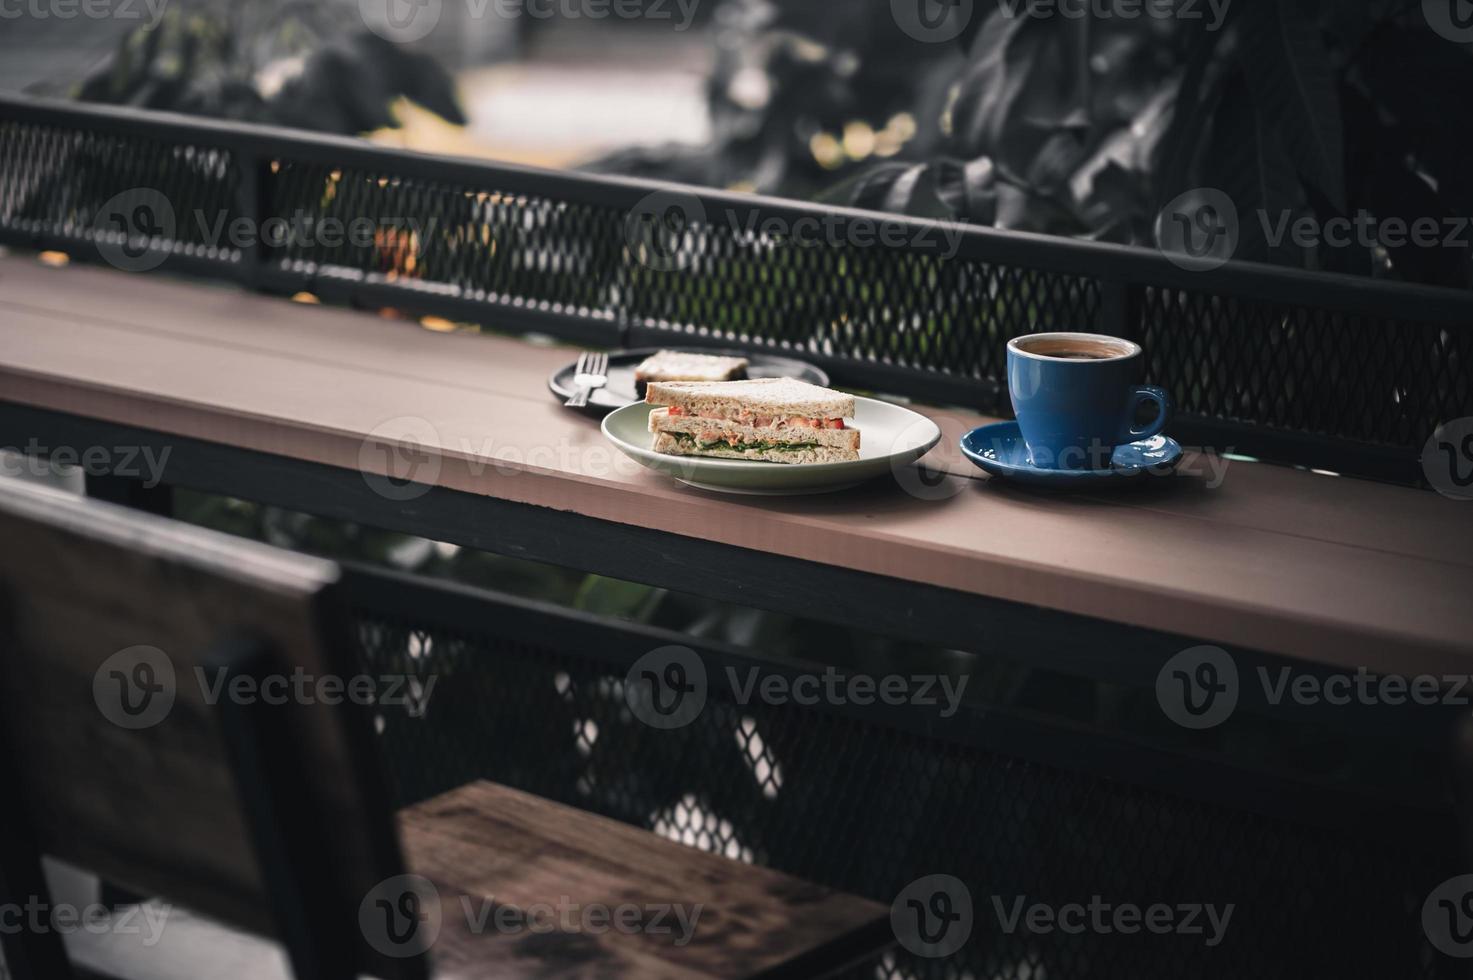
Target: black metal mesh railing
{"points": [[864, 802], [82, 189], [1317, 370], [1385, 381]]}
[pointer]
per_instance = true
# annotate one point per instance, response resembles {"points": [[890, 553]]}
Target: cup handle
{"points": [[1147, 393]]}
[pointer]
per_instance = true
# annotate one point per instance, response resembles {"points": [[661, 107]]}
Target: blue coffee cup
{"points": [[1076, 397]]}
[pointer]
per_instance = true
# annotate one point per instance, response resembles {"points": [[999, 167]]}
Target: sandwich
{"points": [[670, 365], [773, 420]]}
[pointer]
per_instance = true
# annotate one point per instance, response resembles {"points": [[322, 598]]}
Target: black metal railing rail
{"points": [[869, 798], [1332, 372]]}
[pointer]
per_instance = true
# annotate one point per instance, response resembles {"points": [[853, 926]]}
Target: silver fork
{"points": [[592, 372]]}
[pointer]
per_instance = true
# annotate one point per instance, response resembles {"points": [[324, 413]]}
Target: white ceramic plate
{"points": [[890, 437]]}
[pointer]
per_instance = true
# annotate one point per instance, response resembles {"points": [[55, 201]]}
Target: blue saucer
{"points": [[999, 449]]}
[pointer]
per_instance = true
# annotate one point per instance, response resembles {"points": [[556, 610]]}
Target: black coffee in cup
{"points": [[1076, 348]]}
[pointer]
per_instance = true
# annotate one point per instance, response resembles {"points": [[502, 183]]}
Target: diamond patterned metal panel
{"points": [[61, 184], [867, 808], [481, 244], [904, 308], [1307, 370]]}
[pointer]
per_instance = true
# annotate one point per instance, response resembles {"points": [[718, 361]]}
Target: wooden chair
{"points": [[273, 818]]}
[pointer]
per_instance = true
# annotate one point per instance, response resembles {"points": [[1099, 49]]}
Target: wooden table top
{"points": [[1337, 571], [486, 847]]}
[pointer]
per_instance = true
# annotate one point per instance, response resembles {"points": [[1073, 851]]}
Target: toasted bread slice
{"points": [[669, 365], [762, 396]]}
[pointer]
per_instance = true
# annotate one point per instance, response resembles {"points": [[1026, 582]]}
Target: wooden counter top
{"points": [[1337, 571]]}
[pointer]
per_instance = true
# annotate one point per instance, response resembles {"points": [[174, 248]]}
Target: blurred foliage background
{"points": [[1028, 119], [1087, 126], [280, 63]]}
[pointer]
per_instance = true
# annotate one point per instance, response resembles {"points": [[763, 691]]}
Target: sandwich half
{"points": [[670, 365], [773, 420]]}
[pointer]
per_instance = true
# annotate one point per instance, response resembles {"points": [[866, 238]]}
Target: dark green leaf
{"points": [[969, 189], [1295, 86], [1422, 82], [613, 597], [1178, 148], [1119, 206], [865, 189], [1249, 163], [1387, 186]]}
